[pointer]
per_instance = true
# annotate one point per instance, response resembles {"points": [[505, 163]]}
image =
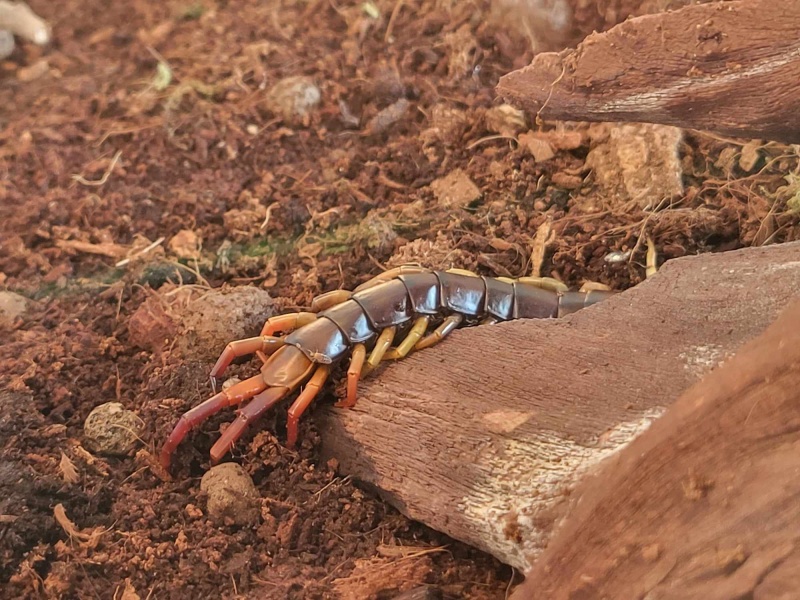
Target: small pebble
{"points": [[6, 44], [232, 495], [12, 306], [293, 98], [111, 429]]}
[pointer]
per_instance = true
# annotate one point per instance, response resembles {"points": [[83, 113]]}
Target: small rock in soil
{"points": [[387, 117], [111, 429], [12, 306], [6, 44], [151, 326], [455, 189], [232, 495], [540, 149], [293, 98], [638, 162], [505, 120], [185, 244], [750, 155], [208, 323]]}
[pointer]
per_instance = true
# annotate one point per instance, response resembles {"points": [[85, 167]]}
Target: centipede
{"points": [[403, 310]]}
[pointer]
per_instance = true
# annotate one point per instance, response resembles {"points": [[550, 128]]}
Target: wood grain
{"points": [[486, 436], [702, 505], [726, 67]]}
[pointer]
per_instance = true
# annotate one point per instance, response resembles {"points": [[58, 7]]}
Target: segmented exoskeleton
{"points": [[403, 302]]}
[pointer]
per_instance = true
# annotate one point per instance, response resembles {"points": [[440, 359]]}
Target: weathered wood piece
{"points": [[726, 67], [485, 436], [704, 503]]}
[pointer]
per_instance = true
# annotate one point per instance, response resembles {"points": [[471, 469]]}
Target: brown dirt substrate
{"points": [[144, 147]]}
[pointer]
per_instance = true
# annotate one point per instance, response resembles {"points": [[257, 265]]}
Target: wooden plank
{"points": [[486, 436], [703, 504], [726, 67]]}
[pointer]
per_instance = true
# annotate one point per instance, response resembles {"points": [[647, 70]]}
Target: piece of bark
{"points": [[703, 504], [726, 67], [485, 436]]}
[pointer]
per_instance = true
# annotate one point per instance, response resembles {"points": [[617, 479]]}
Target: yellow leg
{"points": [[463, 272], [385, 340], [594, 286], [652, 259], [329, 299], [448, 325], [287, 323], [353, 375], [407, 345], [546, 283], [391, 274], [305, 398]]}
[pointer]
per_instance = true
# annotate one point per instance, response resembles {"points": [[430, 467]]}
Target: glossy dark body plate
{"points": [[321, 341], [386, 304], [423, 292], [531, 302], [499, 298], [462, 293], [352, 320]]}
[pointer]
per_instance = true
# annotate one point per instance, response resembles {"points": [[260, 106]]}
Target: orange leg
{"points": [[305, 398], [236, 394], [266, 344], [287, 323], [353, 375], [257, 407]]}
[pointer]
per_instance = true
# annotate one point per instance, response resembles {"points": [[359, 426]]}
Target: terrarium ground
{"points": [[143, 155]]}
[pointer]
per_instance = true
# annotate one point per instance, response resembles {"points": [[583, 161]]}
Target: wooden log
{"points": [[726, 67], [703, 504], [486, 436]]}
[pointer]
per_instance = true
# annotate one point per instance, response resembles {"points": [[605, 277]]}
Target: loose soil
{"points": [[147, 154]]}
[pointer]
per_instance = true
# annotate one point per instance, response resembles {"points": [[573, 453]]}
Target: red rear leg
{"points": [[257, 407], [236, 394]]}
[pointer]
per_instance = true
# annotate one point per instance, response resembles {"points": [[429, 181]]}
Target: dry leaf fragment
{"points": [[68, 471], [540, 149], [750, 155], [505, 120], [100, 466], [500, 244], [128, 592], [88, 540], [106, 249], [544, 236], [455, 189], [185, 244], [396, 551]]}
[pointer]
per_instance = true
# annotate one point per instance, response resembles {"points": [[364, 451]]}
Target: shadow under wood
{"points": [[486, 436]]}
